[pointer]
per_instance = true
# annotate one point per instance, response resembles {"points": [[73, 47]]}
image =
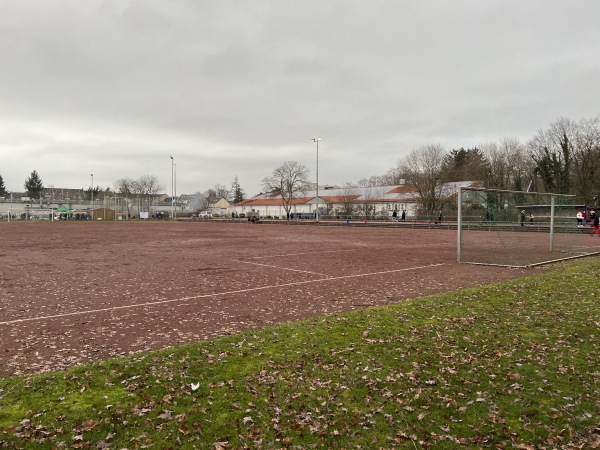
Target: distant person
{"points": [[596, 225], [584, 216], [579, 219], [440, 217], [395, 216], [403, 217], [522, 218]]}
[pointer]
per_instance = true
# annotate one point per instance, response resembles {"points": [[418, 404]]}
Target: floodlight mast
{"points": [[316, 140], [92, 196], [175, 189], [172, 187]]}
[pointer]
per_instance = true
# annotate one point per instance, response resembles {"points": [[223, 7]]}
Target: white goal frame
{"points": [[558, 202]]}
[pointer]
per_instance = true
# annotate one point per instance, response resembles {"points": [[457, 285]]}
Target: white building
{"points": [[343, 201]]}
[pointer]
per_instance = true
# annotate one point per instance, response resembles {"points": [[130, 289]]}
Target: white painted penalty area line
{"points": [[288, 255], [281, 268], [217, 294]]}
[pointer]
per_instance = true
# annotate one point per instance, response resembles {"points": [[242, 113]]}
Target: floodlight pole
{"points": [[552, 212], [175, 188], [92, 197], [316, 140], [459, 226], [172, 187]]}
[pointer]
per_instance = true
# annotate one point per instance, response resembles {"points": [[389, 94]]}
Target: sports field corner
{"points": [[74, 293]]}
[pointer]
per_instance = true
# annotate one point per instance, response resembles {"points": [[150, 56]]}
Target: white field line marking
{"points": [[358, 248], [280, 268], [304, 253], [195, 297]]}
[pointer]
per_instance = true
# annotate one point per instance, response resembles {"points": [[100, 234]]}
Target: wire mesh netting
{"points": [[516, 228]]}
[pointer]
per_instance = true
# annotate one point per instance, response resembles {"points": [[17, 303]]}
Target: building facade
{"points": [[371, 201]]}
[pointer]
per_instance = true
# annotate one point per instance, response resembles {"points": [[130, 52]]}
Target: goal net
{"points": [[520, 229]]}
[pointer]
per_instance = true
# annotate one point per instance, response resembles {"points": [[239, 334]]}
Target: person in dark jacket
{"points": [[522, 218], [596, 225]]}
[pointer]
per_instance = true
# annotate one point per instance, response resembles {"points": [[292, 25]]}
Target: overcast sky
{"points": [[228, 88]]}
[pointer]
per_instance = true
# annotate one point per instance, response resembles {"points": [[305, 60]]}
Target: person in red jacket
{"points": [[596, 225]]}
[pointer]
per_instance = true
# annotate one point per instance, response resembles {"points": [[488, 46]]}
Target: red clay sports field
{"points": [[76, 292]]}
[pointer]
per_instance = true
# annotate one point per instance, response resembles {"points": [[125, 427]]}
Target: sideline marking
{"points": [[304, 253], [280, 268], [217, 294]]}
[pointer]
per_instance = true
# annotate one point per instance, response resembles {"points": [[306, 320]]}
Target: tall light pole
{"points": [[175, 187], [172, 187], [316, 140], [92, 196]]}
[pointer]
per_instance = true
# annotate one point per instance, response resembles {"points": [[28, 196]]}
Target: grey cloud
{"points": [[234, 88]]}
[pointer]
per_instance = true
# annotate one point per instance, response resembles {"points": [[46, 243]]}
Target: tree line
{"points": [[563, 158]]}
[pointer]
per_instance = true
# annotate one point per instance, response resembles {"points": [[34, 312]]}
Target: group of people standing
{"points": [[593, 219], [395, 216], [523, 216]]}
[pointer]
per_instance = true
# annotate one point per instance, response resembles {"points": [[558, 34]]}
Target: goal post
{"points": [[518, 228]]}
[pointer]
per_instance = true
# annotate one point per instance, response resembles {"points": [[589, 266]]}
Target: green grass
{"points": [[511, 365]]}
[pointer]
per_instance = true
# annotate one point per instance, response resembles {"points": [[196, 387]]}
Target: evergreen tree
{"points": [[554, 170], [34, 185], [87, 193], [236, 191], [3, 191], [465, 165]]}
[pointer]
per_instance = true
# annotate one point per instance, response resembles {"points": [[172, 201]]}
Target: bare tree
{"points": [[551, 138], [213, 195], [374, 180], [391, 178], [210, 195], [423, 169], [145, 188], [125, 187], [368, 202], [221, 191], [348, 200], [509, 165], [288, 181]]}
